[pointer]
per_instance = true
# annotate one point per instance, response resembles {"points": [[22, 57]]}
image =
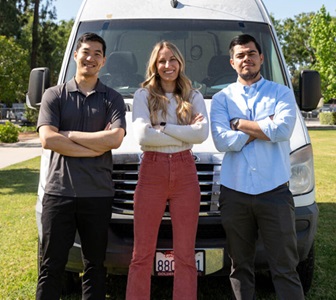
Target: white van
{"points": [[202, 29]]}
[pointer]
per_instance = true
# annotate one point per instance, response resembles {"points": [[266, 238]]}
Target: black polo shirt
{"points": [[66, 108]]}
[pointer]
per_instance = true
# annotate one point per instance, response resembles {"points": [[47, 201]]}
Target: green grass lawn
{"points": [[324, 147], [18, 234]]}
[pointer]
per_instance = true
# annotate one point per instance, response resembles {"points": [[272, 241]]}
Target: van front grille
{"points": [[125, 178]]}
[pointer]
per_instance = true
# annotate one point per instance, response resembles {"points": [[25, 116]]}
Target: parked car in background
{"points": [[18, 110], [313, 114], [10, 115], [329, 106]]}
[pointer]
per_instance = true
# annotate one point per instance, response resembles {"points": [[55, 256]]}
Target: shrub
{"points": [[9, 133], [327, 118], [24, 128], [31, 115]]}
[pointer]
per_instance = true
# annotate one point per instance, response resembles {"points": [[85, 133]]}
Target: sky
{"points": [[67, 9]]}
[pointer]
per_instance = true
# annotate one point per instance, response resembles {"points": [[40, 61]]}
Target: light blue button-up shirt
{"points": [[259, 166]]}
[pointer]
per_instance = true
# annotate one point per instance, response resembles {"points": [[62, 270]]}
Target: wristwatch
{"points": [[234, 123], [162, 126]]}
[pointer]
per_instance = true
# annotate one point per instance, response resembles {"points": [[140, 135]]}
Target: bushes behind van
{"points": [[9, 133], [327, 118]]}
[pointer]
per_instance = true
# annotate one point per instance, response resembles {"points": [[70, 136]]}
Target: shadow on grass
{"points": [[213, 288], [209, 288], [18, 181]]}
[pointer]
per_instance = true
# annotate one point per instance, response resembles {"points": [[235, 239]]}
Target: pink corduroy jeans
{"points": [[165, 177]]}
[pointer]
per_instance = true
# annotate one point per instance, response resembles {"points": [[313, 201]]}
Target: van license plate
{"points": [[164, 262]]}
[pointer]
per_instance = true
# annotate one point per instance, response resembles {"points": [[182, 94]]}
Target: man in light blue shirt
{"points": [[252, 121]]}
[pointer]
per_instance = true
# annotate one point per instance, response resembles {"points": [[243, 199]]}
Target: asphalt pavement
{"points": [[12, 153]]}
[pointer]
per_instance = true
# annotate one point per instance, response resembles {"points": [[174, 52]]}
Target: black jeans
{"points": [[271, 215], [61, 218]]}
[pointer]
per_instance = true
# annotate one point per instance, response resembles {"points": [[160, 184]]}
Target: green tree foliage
{"points": [[22, 50], [323, 39], [294, 35], [294, 40], [53, 40], [9, 18], [308, 42], [42, 10], [14, 70]]}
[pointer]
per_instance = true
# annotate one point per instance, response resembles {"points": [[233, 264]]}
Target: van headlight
{"points": [[302, 178]]}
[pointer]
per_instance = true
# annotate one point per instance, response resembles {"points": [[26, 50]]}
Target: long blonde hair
{"points": [[157, 100]]}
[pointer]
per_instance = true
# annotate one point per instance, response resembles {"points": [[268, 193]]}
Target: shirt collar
{"points": [[255, 85], [72, 86]]}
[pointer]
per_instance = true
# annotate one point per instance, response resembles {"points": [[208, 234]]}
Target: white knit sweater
{"points": [[174, 137]]}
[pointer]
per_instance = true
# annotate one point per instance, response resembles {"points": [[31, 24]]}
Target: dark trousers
{"points": [[271, 215], [61, 217]]}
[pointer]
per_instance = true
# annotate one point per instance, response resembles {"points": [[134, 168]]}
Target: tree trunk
{"points": [[35, 37]]}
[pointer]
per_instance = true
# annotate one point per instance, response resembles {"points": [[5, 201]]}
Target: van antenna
{"points": [[174, 3]]}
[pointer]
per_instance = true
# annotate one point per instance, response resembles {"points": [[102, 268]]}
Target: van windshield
{"points": [[203, 43]]}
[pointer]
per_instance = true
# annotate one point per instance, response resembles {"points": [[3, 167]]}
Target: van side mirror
{"points": [[310, 90], [39, 81]]}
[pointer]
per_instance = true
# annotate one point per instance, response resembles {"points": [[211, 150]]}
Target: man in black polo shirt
{"points": [[80, 121]]}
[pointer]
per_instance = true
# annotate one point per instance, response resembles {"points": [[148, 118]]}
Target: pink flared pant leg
{"points": [[163, 178]]}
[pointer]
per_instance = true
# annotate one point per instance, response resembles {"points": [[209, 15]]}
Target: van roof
{"points": [[241, 10]]}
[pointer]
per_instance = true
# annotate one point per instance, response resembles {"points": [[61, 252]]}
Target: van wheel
{"points": [[306, 270], [71, 281]]}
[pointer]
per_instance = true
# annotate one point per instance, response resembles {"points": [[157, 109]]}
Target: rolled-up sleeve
{"points": [[281, 127]]}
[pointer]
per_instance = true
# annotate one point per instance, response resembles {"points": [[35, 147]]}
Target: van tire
{"points": [[306, 270], [71, 283]]}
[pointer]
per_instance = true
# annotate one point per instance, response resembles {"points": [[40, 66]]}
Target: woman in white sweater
{"points": [[168, 118]]}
